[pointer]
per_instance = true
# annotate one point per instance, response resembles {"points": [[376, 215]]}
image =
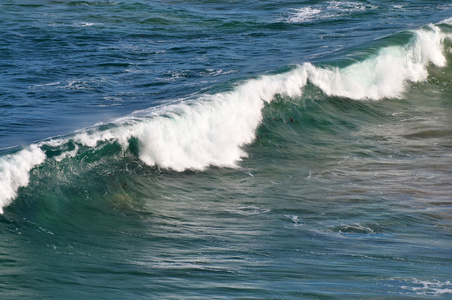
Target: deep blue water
{"points": [[225, 149]]}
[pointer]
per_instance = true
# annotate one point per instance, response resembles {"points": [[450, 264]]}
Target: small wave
{"points": [[92, 3], [248, 210], [355, 228]]}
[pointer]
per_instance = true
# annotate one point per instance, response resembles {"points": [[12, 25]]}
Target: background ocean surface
{"points": [[225, 149]]}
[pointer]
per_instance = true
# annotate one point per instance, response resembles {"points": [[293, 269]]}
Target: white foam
{"points": [[428, 288], [67, 154], [86, 24], [348, 6], [304, 14], [14, 172], [447, 22], [324, 11]]}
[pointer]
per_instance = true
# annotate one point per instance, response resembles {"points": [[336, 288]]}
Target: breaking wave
{"points": [[211, 129]]}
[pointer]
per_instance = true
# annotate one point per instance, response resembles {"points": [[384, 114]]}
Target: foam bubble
{"points": [[14, 172]]}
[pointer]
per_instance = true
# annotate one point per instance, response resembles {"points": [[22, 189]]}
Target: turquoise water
{"points": [[240, 149]]}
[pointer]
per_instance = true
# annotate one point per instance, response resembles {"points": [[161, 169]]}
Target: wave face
{"points": [[212, 129]]}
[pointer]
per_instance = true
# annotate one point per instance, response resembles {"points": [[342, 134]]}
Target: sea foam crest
{"points": [[14, 172], [385, 75]]}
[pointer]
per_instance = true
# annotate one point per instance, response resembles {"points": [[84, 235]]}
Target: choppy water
{"points": [[212, 149]]}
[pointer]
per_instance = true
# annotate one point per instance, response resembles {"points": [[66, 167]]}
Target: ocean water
{"points": [[225, 149]]}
